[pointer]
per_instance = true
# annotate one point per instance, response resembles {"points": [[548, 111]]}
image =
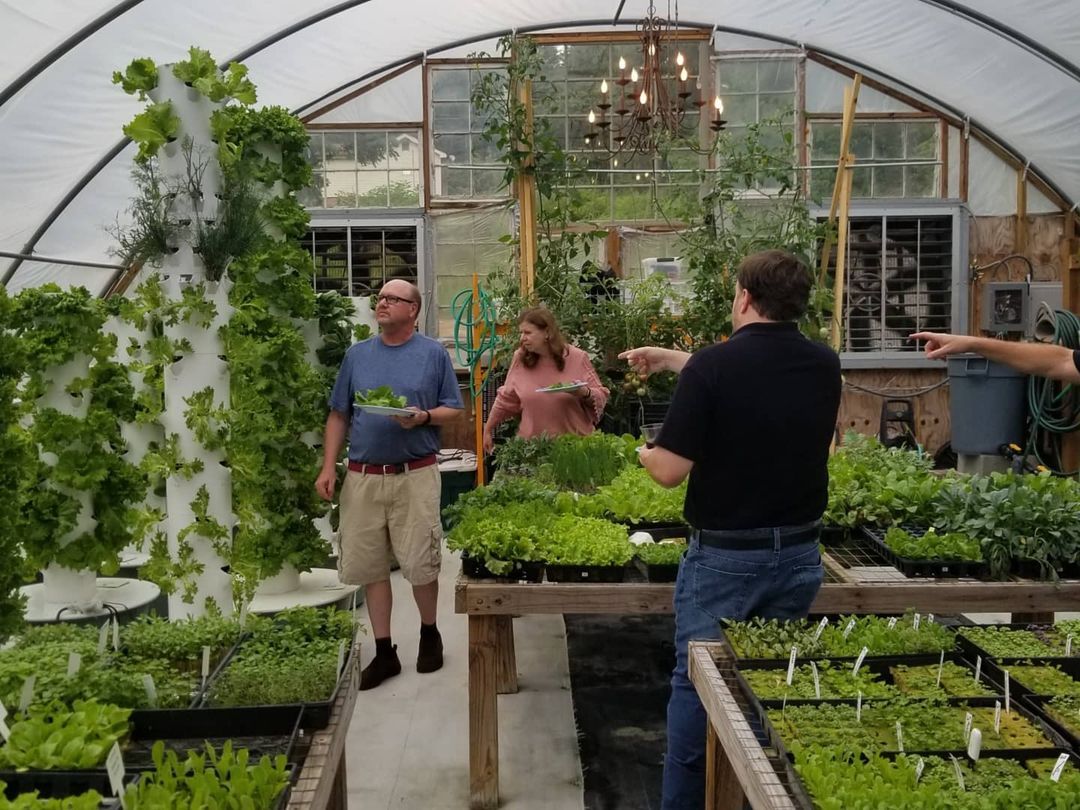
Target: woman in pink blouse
{"points": [[545, 359]]}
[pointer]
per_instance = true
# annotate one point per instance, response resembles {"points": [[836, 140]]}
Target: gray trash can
{"points": [[987, 404]]}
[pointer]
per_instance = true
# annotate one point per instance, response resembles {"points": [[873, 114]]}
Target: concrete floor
{"points": [[408, 740]]}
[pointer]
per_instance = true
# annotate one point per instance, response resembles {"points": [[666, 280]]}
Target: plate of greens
{"points": [[562, 387], [382, 401]]}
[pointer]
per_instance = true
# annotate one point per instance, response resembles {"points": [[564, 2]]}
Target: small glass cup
{"points": [[650, 432]]}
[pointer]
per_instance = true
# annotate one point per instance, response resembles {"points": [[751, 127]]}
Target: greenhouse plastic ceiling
{"points": [[1011, 67]]}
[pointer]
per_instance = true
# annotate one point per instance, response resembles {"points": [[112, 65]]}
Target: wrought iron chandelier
{"points": [[646, 107]]}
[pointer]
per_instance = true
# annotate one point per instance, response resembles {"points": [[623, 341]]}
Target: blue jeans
{"points": [[715, 584]]}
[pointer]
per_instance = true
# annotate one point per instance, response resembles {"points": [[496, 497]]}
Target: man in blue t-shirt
{"points": [[390, 498]]}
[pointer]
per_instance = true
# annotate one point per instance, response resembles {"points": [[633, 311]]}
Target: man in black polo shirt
{"points": [[751, 422]]}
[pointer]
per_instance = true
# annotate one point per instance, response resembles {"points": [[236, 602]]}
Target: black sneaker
{"points": [[380, 668], [430, 658]]}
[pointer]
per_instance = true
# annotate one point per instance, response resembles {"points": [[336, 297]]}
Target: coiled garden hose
{"points": [[1054, 408], [467, 350]]}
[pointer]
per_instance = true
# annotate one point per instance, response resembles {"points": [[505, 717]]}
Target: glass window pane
{"points": [[776, 75], [371, 149], [488, 183], [405, 151], [861, 183], [888, 141], [737, 76], [740, 109], [450, 84], [371, 189], [554, 61], [922, 140], [633, 203], [457, 182], [340, 189], [582, 96], [455, 148], [587, 60], [312, 196], [451, 116], [920, 181], [776, 105], [314, 150], [824, 141], [405, 189], [484, 151], [340, 150], [862, 141], [889, 181]]}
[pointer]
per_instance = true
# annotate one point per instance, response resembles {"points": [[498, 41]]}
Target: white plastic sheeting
{"points": [[61, 124]]}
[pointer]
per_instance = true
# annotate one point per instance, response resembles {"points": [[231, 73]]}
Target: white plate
{"points": [[386, 410], [566, 389]]}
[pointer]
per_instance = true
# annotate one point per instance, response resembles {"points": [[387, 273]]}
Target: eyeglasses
{"points": [[393, 299]]}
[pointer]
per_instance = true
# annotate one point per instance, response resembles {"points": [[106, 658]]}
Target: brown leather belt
{"points": [[392, 469]]}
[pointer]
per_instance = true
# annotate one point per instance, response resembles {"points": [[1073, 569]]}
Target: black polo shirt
{"points": [[756, 415]]}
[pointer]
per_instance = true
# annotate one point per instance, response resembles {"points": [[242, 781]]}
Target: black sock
{"points": [[383, 646], [428, 630]]}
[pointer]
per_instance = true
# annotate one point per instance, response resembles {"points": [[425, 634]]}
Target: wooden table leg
{"points": [[722, 789], [483, 713], [505, 657], [339, 796]]}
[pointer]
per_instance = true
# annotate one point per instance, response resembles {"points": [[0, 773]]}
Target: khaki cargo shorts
{"points": [[385, 516]]}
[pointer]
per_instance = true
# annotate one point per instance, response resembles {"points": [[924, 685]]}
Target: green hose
{"points": [[1054, 408], [467, 354]]}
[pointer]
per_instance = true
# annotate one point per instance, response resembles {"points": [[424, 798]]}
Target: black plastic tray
{"points": [[880, 664], [659, 531], [523, 570], [832, 535], [971, 649], [1037, 704], [657, 573], [313, 716], [940, 569], [585, 573]]}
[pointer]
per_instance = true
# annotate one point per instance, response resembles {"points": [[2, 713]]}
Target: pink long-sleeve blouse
{"points": [[552, 413]]}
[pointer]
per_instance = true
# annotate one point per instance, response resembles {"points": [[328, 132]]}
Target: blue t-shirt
{"points": [[419, 370]]}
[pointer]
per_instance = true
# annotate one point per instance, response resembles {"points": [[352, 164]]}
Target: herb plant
{"points": [[933, 546], [835, 681], [922, 681], [1044, 680], [660, 553]]}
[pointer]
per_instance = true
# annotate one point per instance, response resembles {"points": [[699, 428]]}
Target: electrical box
{"points": [[1006, 307], [1043, 294]]}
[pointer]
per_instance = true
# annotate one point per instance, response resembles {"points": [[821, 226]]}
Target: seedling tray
{"points": [[523, 571], [314, 715], [658, 573], [1037, 704], [911, 568], [834, 535], [972, 649], [585, 573], [1070, 666], [882, 665], [659, 531], [58, 784]]}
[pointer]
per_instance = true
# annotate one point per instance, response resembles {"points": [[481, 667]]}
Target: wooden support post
{"points": [[835, 333], [965, 154], [505, 657], [851, 101], [525, 192], [943, 137], [722, 789], [483, 714], [613, 251], [478, 381], [1021, 238]]}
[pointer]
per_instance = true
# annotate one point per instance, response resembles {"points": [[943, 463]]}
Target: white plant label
{"points": [[1007, 703], [26, 697], [205, 662], [858, 709], [974, 745], [817, 680], [929, 618], [74, 662], [997, 716], [978, 668], [920, 766], [1068, 644], [114, 764], [5, 732], [969, 718], [940, 667], [243, 615], [899, 737], [959, 773], [1059, 766], [849, 627], [151, 690], [821, 627], [352, 603], [341, 658], [115, 634], [915, 621], [791, 665], [102, 638], [892, 622], [859, 660]]}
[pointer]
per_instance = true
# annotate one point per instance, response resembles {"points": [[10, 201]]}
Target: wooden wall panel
{"points": [[861, 411]]}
